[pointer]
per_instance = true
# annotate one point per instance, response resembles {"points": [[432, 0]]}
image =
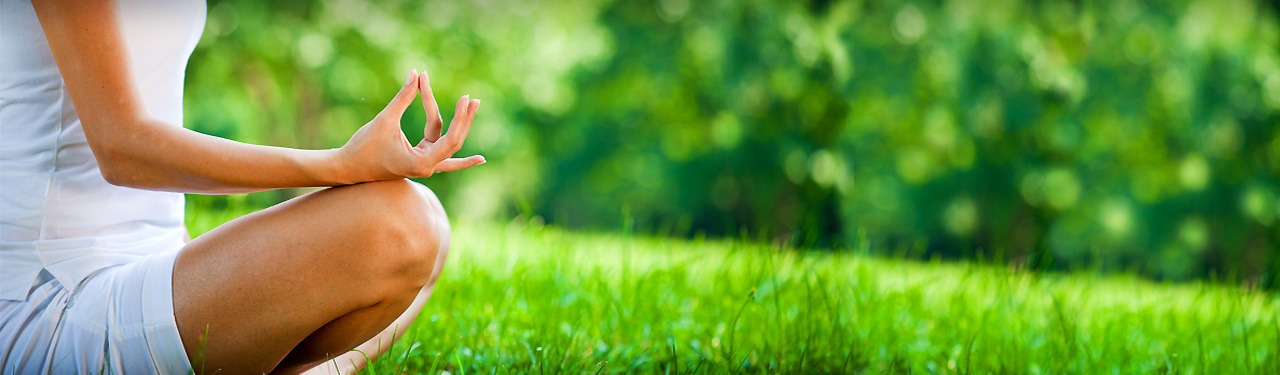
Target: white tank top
{"points": [[57, 214]]}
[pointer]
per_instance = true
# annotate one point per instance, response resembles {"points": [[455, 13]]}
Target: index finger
{"points": [[404, 98], [435, 124]]}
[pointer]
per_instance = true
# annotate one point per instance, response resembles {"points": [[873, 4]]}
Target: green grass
{"points": [[534, 300]]}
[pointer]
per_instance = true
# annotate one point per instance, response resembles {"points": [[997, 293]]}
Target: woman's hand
{"points": [[380, 151]]}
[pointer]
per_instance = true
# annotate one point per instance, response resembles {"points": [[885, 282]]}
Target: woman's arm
{"points": [[135, 150]]}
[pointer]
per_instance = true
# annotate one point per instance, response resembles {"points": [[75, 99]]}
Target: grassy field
{"points": [[527, 299]]}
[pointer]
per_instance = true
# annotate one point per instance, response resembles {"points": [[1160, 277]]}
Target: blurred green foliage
{"points": [[1122, 135]]}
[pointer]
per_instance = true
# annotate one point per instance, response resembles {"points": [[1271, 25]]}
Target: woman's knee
{"points": [[408, 225]]}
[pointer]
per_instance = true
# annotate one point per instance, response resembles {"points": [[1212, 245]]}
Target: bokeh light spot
{"points": [[1257, 202], [909, 25], [1142, 45], [1194, 233], [794, 166], [1223, 136], [939, 128], [1193, 172], [672, 10], [1032, 188], [726, 130], [1061, 188], [827, 168], [1117, 218], [314, 50], [961, 216], [914, 165]]}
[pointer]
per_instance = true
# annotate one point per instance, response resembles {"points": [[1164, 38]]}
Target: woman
{"points": [[95, 272]]}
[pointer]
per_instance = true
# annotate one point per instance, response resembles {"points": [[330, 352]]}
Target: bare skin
{"points": [[357, 256], [285, 289]]}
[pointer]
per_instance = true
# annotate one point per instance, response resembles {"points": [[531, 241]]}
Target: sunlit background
{"points": [[1126, 136]]}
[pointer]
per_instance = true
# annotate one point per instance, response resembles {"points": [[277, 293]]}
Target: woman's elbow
{"points": [[117, 147], [116, 168], [113, 173]]}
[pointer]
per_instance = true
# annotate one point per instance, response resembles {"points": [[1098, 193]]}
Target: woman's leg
{"points": [[356, 359], [308, 279], [350, 362]]}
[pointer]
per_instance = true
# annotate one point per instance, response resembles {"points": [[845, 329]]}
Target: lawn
{"points": [[527, 299]]}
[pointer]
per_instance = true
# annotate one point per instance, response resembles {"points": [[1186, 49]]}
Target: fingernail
{"points": [[410, 77]]}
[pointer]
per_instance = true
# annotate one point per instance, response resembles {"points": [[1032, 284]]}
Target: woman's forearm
{"points": [[160, 156]]}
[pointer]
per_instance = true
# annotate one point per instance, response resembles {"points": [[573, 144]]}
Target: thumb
{"points": [[404, 98]]}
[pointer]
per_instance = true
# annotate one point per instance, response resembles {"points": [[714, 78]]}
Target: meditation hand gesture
{"points": [[380, 151]]}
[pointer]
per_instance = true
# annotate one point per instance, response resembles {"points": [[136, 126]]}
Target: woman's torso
{"points": [[57, 213]]}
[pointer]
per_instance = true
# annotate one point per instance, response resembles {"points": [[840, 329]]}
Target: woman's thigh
{"points": [[250, 291]]}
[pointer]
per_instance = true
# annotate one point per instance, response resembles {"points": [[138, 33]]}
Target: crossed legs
{"points": [[284, 289]]}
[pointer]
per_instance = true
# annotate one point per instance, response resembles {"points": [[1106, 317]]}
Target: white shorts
{"points": [[119, 322]]}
